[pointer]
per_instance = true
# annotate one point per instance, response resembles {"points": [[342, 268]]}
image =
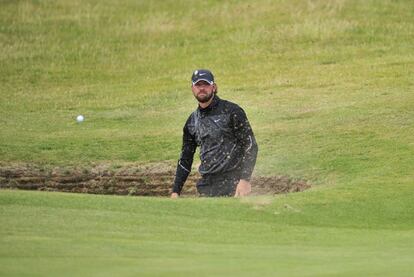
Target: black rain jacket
{"points": [[226, 140]]}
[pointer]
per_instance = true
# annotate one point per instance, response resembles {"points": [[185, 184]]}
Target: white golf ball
{"points": [[80, 118]]}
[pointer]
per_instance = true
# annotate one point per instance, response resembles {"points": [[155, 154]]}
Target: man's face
{"points": [[203, 91]]}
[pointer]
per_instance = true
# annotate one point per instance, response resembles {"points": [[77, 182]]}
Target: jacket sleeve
{"points": [[245, 137], [186, 159]]}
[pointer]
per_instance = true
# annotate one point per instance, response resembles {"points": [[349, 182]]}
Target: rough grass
{"points": [[314, 76], [327, 86]]}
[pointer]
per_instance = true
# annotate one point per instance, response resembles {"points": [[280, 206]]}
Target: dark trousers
{"points": [[218, 184]]}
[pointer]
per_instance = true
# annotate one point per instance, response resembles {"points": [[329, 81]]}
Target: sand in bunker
{"points": [[153, 179]]}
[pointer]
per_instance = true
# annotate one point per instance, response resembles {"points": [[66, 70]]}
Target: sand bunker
{"points": [[144, 180]]}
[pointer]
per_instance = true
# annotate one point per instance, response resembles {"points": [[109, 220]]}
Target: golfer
{"points": [[228, 148]]}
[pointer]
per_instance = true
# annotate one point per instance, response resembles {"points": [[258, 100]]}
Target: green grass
{"points": [[67, 234], [328, 88]]}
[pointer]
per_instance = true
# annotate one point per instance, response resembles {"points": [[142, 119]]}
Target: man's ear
{"points": [[215, 87]]}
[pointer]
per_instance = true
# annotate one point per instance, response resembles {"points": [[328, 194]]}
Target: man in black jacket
{"points": [[228, 148]]}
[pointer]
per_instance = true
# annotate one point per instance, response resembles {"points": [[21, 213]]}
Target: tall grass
{"points": [[326, 84]]}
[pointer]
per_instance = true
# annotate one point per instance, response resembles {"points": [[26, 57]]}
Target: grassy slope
{"points": [[327, 86]]}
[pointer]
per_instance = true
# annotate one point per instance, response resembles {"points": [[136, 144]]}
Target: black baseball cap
{"points": [[202, 75]]}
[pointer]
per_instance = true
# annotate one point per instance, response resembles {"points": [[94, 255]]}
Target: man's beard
{"points": [[204, 98]]}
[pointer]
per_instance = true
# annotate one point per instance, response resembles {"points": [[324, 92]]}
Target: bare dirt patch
{"points": [[133, 179]]}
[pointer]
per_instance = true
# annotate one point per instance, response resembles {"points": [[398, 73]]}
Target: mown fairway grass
{"points": [[327, 85], [66, 235]]}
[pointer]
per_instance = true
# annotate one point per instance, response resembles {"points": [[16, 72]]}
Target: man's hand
{"points": [[174, 195], [243, 188]]}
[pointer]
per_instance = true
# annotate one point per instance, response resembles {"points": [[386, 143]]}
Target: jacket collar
{"points": [[212, 105]]}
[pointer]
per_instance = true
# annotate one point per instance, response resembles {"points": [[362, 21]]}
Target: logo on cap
{"points": [[202, 75]]}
